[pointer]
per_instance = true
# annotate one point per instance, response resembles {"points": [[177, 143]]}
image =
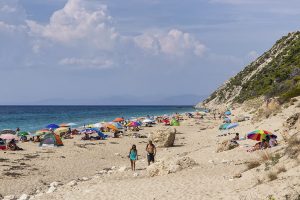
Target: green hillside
{"points": [[274, 74]]}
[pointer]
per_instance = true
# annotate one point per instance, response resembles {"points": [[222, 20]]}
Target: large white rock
{"points": [[9, 197], [72, 183], [163, 137], [171, 165], [122, 169], [51, 190], [24, 197], [226, 145]]}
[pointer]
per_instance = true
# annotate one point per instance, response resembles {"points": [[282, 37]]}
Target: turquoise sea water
{"points": [[30, 118]]}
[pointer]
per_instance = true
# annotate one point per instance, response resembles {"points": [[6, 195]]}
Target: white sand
{"points": [[211, 179]]}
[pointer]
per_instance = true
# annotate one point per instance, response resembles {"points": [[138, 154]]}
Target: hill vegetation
{"points": [[274, 74]]}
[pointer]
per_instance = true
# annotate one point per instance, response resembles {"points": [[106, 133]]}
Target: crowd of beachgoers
{"points": [[97, 131], [53, 135]]}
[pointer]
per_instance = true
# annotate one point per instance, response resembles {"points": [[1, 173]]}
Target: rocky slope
{"points": [[274, 74]]}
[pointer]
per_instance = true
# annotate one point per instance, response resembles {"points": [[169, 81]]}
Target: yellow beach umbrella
{"points": [[61, 130], [90, 126], [42, 132]]}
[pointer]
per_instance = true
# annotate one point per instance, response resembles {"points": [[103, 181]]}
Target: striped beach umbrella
{"points": [[258, 135], [42, 132], [61, 130]]}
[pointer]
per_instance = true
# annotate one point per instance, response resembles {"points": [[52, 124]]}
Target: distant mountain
{"points": [[126, 100], [181, 100], [274, 74]]}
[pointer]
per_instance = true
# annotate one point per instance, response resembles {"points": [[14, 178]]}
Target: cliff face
{"points": [[276, 73]]}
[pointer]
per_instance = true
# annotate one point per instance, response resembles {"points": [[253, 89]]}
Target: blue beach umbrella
{"points": [[224, 126], [227, 112], [233, 125], [52, 126]]}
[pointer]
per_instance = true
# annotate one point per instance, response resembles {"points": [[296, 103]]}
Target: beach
{"points": [[101, 169]]}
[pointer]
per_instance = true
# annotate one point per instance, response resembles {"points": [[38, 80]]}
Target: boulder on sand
{"points": [[227, 145], [293, 122], [168, 166], [240, 118], [163, 137]]}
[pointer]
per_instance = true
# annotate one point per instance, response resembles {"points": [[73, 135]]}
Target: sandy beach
{"points": [[101, 169]]}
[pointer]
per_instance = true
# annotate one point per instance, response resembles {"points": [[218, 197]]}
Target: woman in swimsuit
{"points": [[133, 156]]}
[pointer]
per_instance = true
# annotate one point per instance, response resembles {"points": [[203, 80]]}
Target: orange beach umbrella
{"points": [[118, 119]]}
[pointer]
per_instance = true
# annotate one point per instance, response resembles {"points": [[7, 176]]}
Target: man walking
{"points": [[151, 152]]}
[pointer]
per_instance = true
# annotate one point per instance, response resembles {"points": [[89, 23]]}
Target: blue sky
{"points": [[95, 51]]}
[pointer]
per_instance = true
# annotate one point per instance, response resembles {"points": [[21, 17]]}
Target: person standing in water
{"points": [[151, 152], [133, 156]]}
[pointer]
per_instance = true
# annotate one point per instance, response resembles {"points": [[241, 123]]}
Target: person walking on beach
{"points": [[151, 152], [133, 156]]}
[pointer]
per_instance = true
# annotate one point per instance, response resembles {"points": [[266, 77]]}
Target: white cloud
{"points": [[11, 12], [175, 42], [90, 63], [79, 21], [81, 35]]}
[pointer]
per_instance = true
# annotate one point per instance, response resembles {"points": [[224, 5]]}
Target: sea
{"points": [[31, 118]]}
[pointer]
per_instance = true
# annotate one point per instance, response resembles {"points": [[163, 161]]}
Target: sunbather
{"points": [[264, 144], [85, 137], [13, 146], [95, 138], [273, 142], [236, 138], [37, 139], [257, 146]]}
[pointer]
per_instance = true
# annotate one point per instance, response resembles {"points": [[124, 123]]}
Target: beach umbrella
{"points": [[64, 125], [90, 130], [118, 119], [117, 125], [139, 123], [98, 125], [8, 136], [227, 112], [8, 131], [223, 126], [71, 124], [61, 130], [147, 121], [52, 126], [42, 132], [232, 125], [258, 135], [166, 121], [89, 126], [110, 126], [133, 124], [23, 133]]}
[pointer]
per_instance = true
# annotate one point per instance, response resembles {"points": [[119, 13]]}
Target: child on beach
{"points": [[133, 156]]}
